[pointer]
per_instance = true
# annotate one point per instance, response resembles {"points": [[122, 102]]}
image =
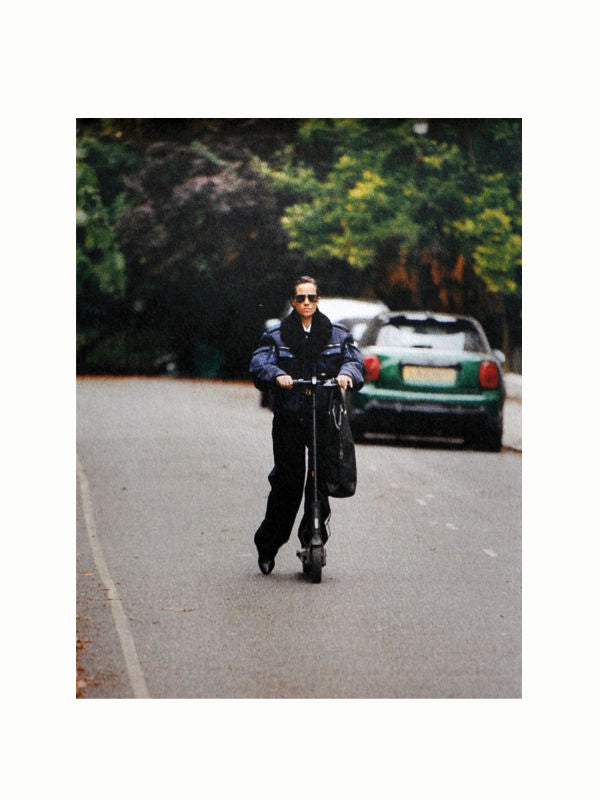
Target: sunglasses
{"points": [[312, 298]]}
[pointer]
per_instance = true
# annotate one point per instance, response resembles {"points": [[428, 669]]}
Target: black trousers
{"points": [[289, 479]]}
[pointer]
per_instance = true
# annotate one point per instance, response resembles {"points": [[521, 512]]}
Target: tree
{"points": [[204, 251], [180, 248], [188, 231], [418, 211], [100, 264]]}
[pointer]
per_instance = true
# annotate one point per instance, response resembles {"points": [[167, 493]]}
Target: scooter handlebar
{"points": [[328, 382]]}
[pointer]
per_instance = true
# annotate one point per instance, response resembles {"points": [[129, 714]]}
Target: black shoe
{"points": [[266, 567]]}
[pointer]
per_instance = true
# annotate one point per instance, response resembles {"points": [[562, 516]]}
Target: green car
{"points": [[430, 374]]}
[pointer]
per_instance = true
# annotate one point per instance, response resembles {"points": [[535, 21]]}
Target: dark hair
{"points": [[304, 279]]}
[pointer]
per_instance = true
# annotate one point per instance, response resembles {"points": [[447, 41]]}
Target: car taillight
{"points": [[489, 377], [372, 367]]}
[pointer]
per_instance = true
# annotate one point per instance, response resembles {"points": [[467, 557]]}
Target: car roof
{"points": [[339, 308], [348, 307], [440, 316]]}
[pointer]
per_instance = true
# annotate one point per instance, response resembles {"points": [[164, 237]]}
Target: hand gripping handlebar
{"points": [[314, 381]]}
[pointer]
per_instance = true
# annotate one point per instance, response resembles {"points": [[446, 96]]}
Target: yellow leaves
{"points": [[495, 263], [349, 247], [465, 226], [433, 161], [344, 161], [495, 217], [367, 186], [495, 248]]}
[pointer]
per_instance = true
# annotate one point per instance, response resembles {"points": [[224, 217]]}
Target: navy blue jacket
{"points": [[284, 349]]}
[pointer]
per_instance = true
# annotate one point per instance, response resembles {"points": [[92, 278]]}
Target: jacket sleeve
{"points": [[352, 363], [263, 365]]}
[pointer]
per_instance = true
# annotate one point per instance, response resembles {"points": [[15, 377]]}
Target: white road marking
{"points": [[490, 553], [451, 526], [420, 502], [132, 662]]}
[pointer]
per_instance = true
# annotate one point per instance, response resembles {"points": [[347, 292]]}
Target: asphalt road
{"points": [[420, 598]]}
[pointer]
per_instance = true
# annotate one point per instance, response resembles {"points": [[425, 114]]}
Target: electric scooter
{"points": [[313, 556]]}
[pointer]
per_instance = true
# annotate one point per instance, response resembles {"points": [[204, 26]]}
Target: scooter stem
{"points": [[315, 505]]}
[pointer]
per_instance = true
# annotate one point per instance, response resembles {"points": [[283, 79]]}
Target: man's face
{"points": [[303, 305]]}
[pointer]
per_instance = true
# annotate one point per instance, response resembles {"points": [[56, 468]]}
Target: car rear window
{"points": [[456, 335]]}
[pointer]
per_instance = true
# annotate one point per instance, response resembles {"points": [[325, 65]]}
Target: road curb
{"points": [[513, 384]]}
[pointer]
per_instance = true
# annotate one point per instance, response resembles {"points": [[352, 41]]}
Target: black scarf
{"points": [[294, 335]]}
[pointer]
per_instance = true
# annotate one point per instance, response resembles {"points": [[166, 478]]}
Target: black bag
{"points": [[339, 460]]}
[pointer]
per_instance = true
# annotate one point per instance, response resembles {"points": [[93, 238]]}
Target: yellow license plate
{"points": [[438, 375]]}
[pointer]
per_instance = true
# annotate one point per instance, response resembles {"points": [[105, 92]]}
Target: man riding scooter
{"points": [[304, 344]]}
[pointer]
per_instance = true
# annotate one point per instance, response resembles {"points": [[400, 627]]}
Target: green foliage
{"points": [[100, 198], [203, 245], [101, 269], [189, 230], [363, 185], [491, 235]]}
